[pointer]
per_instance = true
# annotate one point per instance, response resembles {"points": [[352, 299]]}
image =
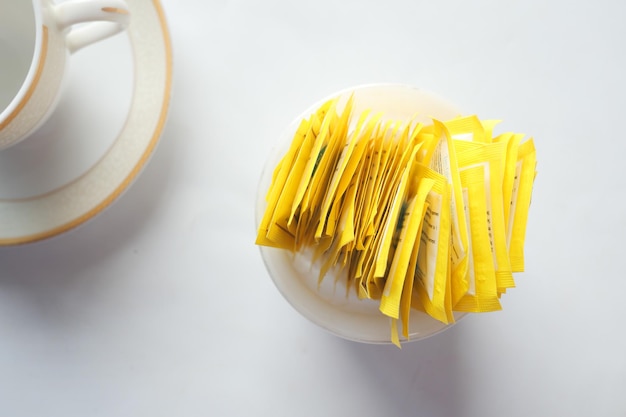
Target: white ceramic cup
{"points": [[36, 38]]}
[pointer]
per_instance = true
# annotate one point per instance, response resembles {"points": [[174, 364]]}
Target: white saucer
{"points": [[328, 306], [101, 136]]}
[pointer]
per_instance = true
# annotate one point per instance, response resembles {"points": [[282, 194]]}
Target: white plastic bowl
{"points": [[329, 307]]}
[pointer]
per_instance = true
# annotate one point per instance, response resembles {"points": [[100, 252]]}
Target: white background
{"points": [[161, 306]]}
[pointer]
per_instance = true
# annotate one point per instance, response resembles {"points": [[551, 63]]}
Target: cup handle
{"points": [[107, 17]]}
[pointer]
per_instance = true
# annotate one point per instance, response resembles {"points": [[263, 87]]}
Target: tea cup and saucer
{"points": [[84, 95]]}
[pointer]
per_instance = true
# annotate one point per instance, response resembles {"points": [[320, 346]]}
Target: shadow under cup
{"points": [[18, 38]]}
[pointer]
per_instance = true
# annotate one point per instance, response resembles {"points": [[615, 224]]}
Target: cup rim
{"points": [[22, 96]]}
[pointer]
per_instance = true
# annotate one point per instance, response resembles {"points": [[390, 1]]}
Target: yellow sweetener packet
{"points": [[387, 230], [444, 161], [520, 202], [366, 175], [356, 147], [344, 234], [408, 300], [428, 145], [332, 134], [339, 231], [351, 180], [396, 148], [364, 237], [363, 174], [467, 128], [340, 176], [489, 126], [490, 157], [279, 229], [431, 274], [279, 178], [381, 158], [409, 222], [373, 160], [510, 167], [393, 183], [318, 180], [385, 251], [322, 184], [482, 294], [386, 201], [393, 187], [313, 159]]}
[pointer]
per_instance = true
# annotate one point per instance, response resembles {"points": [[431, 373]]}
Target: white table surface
{"points": [[161, 306]]}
